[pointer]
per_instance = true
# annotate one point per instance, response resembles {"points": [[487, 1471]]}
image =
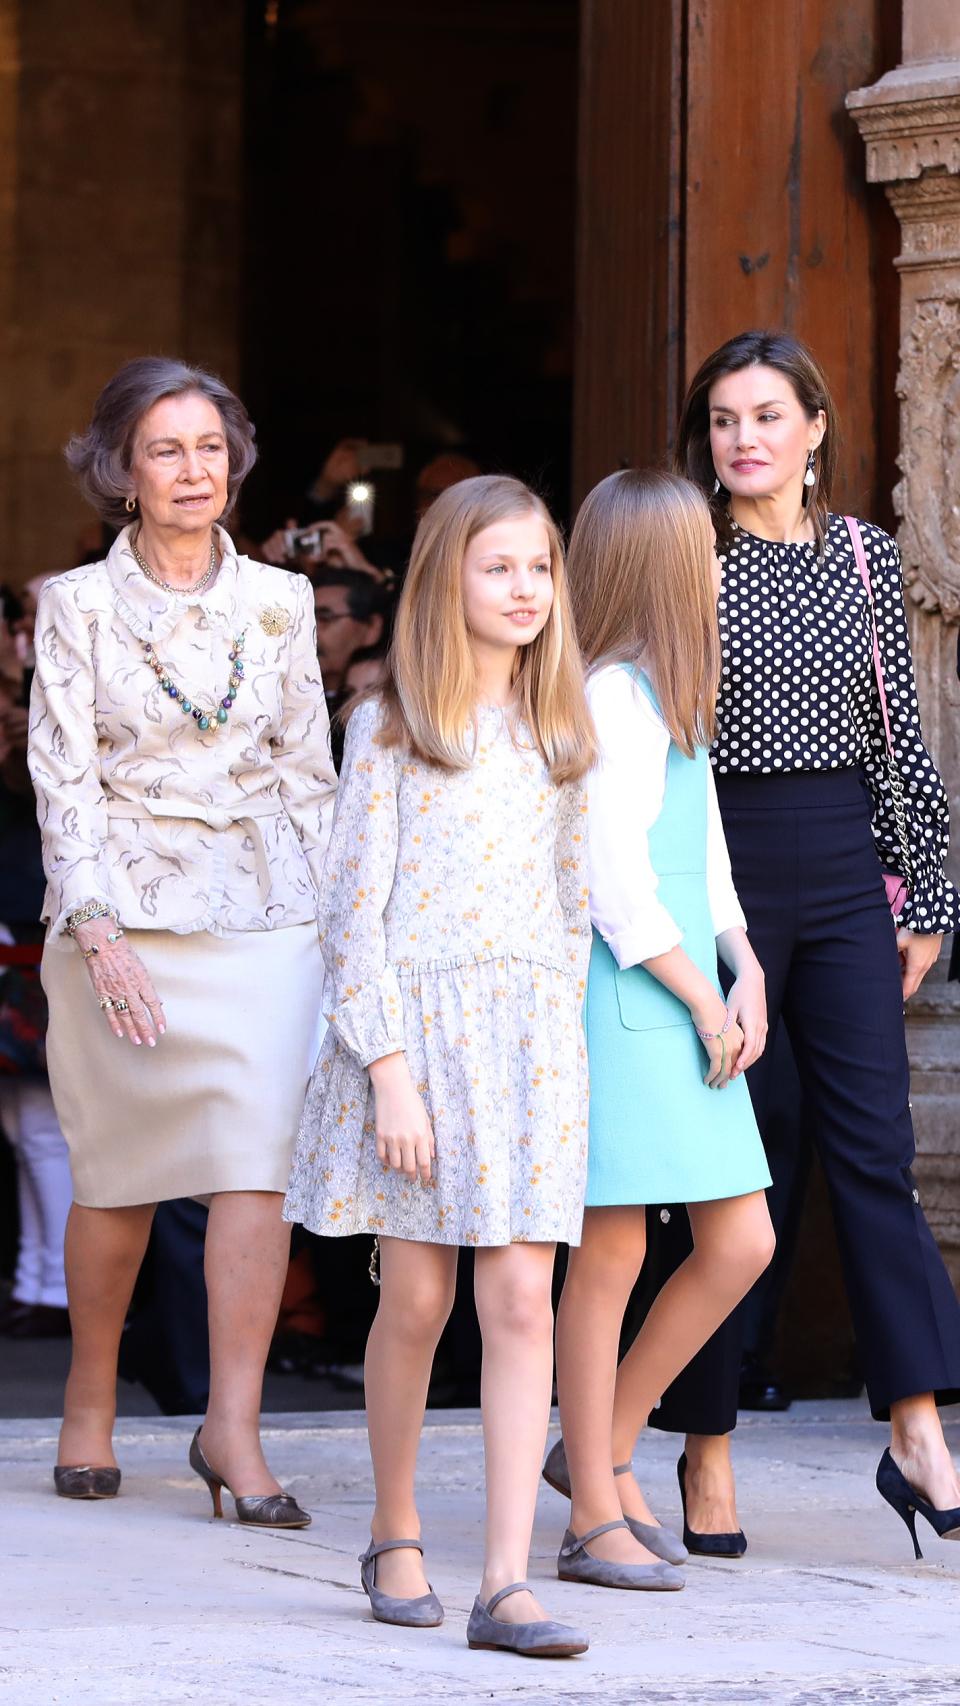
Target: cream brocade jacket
{"points": [[179, 829]]}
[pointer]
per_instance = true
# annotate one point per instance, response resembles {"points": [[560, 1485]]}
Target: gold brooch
{"points": [[274, 619]]}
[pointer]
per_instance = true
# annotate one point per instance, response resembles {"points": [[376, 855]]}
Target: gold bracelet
{"points": [[114, 936], [86, 915]]}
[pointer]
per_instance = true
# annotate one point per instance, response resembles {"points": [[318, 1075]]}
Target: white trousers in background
{"points": [[44, 1190]]}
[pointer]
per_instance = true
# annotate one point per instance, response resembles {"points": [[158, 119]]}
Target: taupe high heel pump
{"points": [[267, 1510], [86, 1483]]}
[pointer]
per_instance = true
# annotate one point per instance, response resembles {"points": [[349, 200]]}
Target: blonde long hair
{"points": [[641, 585], [430, 690]]}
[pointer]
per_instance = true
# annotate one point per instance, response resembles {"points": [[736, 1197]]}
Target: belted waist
{"points": [[218, 818]]}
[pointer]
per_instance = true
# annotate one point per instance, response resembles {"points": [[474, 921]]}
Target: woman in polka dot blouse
{"points": [[803, 784]]}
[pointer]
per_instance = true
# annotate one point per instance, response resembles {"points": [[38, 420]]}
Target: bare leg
{"points": [[513, 1292], [600, 1277], [920, 1451], [103, 1250], [417, 1284], [732, 1244], [709, 1484], [245, 1263]]}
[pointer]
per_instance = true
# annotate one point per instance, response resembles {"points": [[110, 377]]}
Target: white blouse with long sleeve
{"points": [[179, 829], [625, 794]]}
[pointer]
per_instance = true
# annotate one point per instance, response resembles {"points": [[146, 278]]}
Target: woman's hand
{"points": [[723, 1050], [342, 466], [405, 1138], [121, 983], [917, 954], [274, 549], [338, 550], [747, 1002]]}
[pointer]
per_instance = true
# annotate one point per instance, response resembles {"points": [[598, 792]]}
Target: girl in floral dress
{"points": [[449, 1103]]}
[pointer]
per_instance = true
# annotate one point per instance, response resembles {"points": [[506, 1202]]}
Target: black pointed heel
{"points": [[893, 1486], [707, 1545]]}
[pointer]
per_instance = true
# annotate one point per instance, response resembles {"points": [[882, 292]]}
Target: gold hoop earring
{"points": [[130, 505]]}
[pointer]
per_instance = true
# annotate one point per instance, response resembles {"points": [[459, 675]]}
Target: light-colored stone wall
{"points": [[910, 122], [120, 193]]}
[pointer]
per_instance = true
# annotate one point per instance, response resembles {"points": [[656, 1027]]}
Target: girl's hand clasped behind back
{"points": [[723, 1043], [747, 1002], [405, 1138]]}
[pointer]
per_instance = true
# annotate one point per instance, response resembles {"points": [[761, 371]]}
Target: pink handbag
{"points": [[897, 886]]}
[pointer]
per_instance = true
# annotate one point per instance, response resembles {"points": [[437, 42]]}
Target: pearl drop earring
{"points": [[810, 477], [716, 487]]}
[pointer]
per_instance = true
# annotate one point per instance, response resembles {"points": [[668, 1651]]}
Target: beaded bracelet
{"points": [[717, 1036], [711, 1036]]}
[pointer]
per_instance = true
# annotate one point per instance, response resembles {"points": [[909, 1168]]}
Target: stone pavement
{"points": [[147, 1602]]}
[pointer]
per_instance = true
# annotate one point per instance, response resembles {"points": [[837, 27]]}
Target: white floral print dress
{"points": [[455, 925]]}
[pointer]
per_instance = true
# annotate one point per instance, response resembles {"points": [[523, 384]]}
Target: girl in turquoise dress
{"points": [[670, 1115]]}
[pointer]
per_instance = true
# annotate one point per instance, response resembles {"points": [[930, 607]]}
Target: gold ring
{"points": [[105, 1003]]}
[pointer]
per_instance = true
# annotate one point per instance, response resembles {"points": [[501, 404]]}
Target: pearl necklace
{"points": [[199, 586]]}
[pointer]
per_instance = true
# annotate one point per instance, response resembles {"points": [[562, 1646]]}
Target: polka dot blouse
{"points": [[798, 690]]}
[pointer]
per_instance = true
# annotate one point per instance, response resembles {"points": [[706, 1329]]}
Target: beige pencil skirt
{"points": [[217, 1104]]}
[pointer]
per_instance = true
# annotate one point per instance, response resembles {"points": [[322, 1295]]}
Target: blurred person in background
{"points": [[37, 1304], [446, 469], [351, 613], [331, 506], [365, 669], [322, 544], [180, 755]]}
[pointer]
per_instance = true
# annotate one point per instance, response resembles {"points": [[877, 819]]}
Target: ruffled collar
{"points": [[152, 613]]}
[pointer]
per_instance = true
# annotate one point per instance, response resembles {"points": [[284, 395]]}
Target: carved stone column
{"points": [[910, 122]]}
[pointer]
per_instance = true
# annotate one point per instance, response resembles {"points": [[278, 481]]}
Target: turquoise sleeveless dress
{"points": [[657, 1134]]}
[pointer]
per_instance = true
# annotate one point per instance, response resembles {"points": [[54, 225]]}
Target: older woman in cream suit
{"points": [[180, 752]]}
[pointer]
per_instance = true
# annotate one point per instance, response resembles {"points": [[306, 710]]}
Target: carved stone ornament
{"points": [[910, 123], [928, 497], [928, 209]]}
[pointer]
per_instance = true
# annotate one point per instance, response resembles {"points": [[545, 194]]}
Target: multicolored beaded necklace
{"points": [[207, 722]]}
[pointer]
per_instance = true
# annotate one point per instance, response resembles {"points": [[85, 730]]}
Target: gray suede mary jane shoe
{"points": [[424, 1612], [576, 1564], [662, 1542], [547, 1640]]}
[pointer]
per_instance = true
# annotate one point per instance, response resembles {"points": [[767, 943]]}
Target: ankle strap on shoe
{"points": [[515, 1587], [576, 1545], [374, 1549]]}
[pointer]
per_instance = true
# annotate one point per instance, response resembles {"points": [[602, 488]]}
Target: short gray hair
{"points": [[100, 457]]}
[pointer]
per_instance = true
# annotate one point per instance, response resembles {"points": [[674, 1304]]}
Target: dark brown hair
{"points": [[780, 350], [640, 563], [100, 457]]}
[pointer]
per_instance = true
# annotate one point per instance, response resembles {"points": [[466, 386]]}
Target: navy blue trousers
{"points": [[809, 880]]}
